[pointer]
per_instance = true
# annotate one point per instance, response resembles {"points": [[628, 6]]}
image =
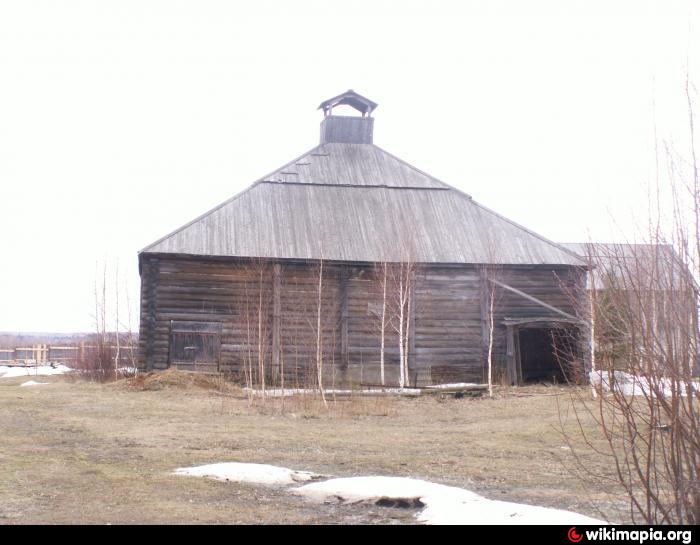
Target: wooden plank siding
{"points": [[448, 341], [299, 309], [364, 331], [448, 325]]}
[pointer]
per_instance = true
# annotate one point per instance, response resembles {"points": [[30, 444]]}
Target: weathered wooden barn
{"points": [[346, 246]]}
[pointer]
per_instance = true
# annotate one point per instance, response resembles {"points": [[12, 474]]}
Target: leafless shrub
{"points": [[256, 317], [109, 352], [396, 282], [643, 309]]}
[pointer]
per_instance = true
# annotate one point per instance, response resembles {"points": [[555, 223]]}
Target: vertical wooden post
{"points": [[516, 355], [276, 318], [485, 304], [510, 354], [344, 341]]}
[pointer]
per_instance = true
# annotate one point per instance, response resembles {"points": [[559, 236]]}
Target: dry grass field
{"points": [[80, 452]]}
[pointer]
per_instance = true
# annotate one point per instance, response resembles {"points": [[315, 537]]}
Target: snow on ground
{"points": [[249, 473], [43, 370], [453, 385], [33, 383], [633, 385], [485, 511], [443, 504], [374, 488]]}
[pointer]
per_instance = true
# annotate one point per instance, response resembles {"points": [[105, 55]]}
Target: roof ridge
{"points": [[358, 186]]}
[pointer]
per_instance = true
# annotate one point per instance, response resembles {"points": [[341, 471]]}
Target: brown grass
{"points": [[179, 380], [92, 453]]}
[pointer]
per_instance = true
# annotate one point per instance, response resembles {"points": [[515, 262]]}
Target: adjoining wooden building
{"points": [[237, 289]]}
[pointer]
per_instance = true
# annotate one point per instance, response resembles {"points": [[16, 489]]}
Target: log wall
{"points": [[271, 311]]}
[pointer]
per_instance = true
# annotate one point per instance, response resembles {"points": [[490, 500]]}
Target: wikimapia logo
{"points": [[635, 536]]}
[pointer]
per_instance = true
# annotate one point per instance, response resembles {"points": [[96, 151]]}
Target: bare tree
{"points": [[319, 332], [254, 320], [492, 293], [379, 313], [644, 320], [131, 341], [398, 304], [117, 351], [490, 298], [383, 327]]}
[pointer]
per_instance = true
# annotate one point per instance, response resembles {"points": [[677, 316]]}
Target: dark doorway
{"points": [[548, 354]]}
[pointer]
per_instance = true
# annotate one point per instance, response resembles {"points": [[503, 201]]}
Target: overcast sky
{"points": [[122, 120]]}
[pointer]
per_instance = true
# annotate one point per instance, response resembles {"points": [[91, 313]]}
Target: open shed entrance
{"points": [[545, 354], [544, 351]]}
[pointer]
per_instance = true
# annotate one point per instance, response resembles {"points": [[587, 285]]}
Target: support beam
{"points": [[276, 318], [510, 355], [344, 341], [535, 300]]}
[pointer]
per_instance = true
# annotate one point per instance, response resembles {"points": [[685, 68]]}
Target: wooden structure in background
{"points": [[240, 282], [71, 355], [36, 354]]}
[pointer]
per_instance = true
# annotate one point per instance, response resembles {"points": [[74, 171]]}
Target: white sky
{"points": [[122, 120]]}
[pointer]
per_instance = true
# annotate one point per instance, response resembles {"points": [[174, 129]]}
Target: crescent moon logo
{"points": [[573, 535]]}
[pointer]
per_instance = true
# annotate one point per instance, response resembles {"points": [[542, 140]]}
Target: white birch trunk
{"points": [[408, 326], [116, 307], [261, 355], [489, 359], [383, 325], [402, 378], [319, 348]]}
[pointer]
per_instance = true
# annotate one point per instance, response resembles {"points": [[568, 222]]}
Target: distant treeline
{"points": [[15, 340]]}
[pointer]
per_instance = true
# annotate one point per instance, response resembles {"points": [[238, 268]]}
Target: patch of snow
{"points": [[373, 488], [33, 383], [249, 473], [634, 385], [39, 370], [453, 385], [443, 504], [492, 512]]}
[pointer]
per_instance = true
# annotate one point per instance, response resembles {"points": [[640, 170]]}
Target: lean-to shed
{"points": [[351, 260]]}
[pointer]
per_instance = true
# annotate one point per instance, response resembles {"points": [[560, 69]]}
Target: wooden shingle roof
{"points": [[356, 202]]}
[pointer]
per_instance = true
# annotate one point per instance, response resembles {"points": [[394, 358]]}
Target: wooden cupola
{"points": [[347, 129]]}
